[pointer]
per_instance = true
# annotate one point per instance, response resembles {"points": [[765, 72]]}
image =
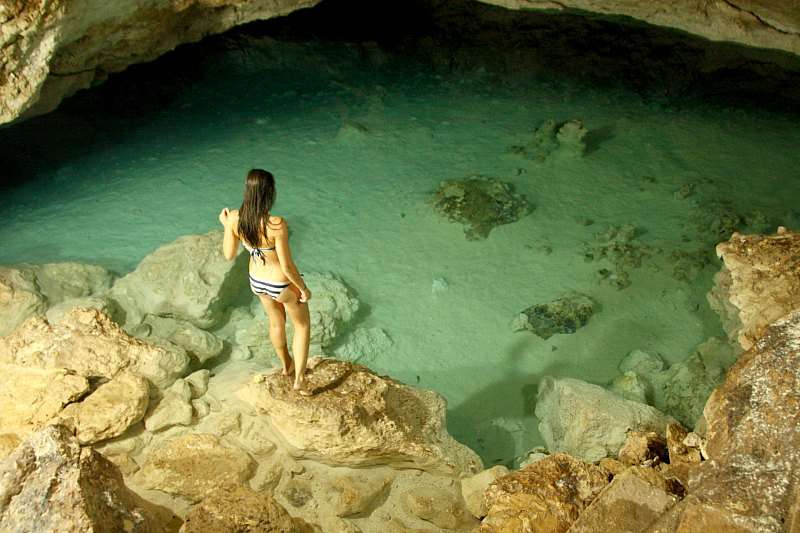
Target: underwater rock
{"points": [[198, 382], [110, 410], [480, 203], [758, 284], [632, 387], [749, 482], [102, 303], [187, 279], [202, 344], [631, 502], [62, 281], [19, 298], [546, 496], [562, 315], [474, 487], [442, 508], [588, 421], [88, 342], [356, 417], [32, 397], [239, 508], [194, 466], [555, 137], [363, 345], [356, 494], [51, 484], [617, 246], [174, 408]]}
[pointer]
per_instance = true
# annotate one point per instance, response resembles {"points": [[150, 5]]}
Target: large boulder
{"points": [[89, 343], [51, 484], [188, 279], [545, 497], [357, 418], [588, 421], [758, 284], [19, 298]]}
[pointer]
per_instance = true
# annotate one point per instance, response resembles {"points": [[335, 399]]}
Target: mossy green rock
{"points": [[562, 315]]}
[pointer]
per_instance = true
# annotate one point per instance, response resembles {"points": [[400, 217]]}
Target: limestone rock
{"points": [[203, 345], [110, 410], [473, 488], [88, 342], [480, 203], [19, 298], [553, 137], [49, 483], [632, 387], [240, 509], [62, 281], [104, 304], [441, 508], [358, 418], [174, 408], [644, 448], [32, 397], [364, 345], [358, 494], [187, 279], [631, 502], [588, 421], [562, 315], [546, 496], [682, 447], [762, 283], [194, 466], [198, 382], [8, 443]]}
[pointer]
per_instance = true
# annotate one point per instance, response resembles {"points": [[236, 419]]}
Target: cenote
{"points": [[362, 112]]}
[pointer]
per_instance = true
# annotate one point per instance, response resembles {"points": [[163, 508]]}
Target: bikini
{"points": [[264, 286]]}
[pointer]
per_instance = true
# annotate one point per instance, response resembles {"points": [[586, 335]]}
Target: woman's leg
{"points": [[301, 321], [277, 330]]}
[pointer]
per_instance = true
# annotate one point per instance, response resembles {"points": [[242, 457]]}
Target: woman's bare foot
{"points": [[301, 387], [288, 370]]}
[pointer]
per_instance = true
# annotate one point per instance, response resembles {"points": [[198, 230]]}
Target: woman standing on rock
{"points": [[274, 278]]}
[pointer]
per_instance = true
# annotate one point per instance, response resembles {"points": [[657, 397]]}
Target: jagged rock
{"points": [[203, 345], [544, 497], [240, 509], [198, 382], [588, 421], [632, 387], [612, 465], [174, 408], [194, 466], [644, 448], [555, 137], [474, 487], [32, 397], [480, 203], [357, 494], [62, 281], [51, 484], [110, 410], [364, 345], [683, 446], [88, 342], [103, 304], [358, 418], [642, 363], [442, 508], [187, 279], [19, 298], [749, 482], [758, 284], [631, 502], [562, 315]]}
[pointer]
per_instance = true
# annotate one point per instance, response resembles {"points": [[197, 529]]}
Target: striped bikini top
{"points": [[257, 252]]}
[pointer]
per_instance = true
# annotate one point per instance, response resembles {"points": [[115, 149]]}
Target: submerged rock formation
{"points": [[562, 315]]}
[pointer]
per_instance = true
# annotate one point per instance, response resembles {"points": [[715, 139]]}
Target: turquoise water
{"points": [[358, 146]]}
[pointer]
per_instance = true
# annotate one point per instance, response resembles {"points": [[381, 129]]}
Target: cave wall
{"points": [[51, 48]]}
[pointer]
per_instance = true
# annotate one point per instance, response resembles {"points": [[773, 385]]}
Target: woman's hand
{"points": [[305, 294], [223, 216]]}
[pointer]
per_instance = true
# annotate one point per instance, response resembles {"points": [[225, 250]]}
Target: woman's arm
{"points": [[230, 242], [281, 233]]}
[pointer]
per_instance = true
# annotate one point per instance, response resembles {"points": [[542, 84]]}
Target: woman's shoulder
{"points": [[277, 222]]}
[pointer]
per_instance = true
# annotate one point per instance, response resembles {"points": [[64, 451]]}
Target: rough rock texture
{"points": [[49, 50], [546, 496], [759, 283], [19, 298], [242, 510], [88, 342], [110, 410], [555, 137], [473, 489], [588, 421], [480, 203], [761, 23], [188, 279], [751, 480], [358, 418], [631, 503], [357, 494], [644, 447], [441, 508], [51, 484], [194, 466], [200, 344], [562, 315]]}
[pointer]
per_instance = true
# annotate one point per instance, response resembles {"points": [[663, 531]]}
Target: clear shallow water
{"points": [[358, 146]]}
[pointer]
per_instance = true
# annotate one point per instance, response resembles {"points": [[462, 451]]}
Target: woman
{"points": [[274, 278]]}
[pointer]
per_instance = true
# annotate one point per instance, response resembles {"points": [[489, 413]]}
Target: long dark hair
{"points": [[259, 195]]}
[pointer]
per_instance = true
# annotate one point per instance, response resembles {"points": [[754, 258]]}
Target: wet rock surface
{"points": [[480, 203], [563, 315]]}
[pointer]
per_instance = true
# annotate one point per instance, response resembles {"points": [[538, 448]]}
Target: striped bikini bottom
{"points": [[265, 286]]}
